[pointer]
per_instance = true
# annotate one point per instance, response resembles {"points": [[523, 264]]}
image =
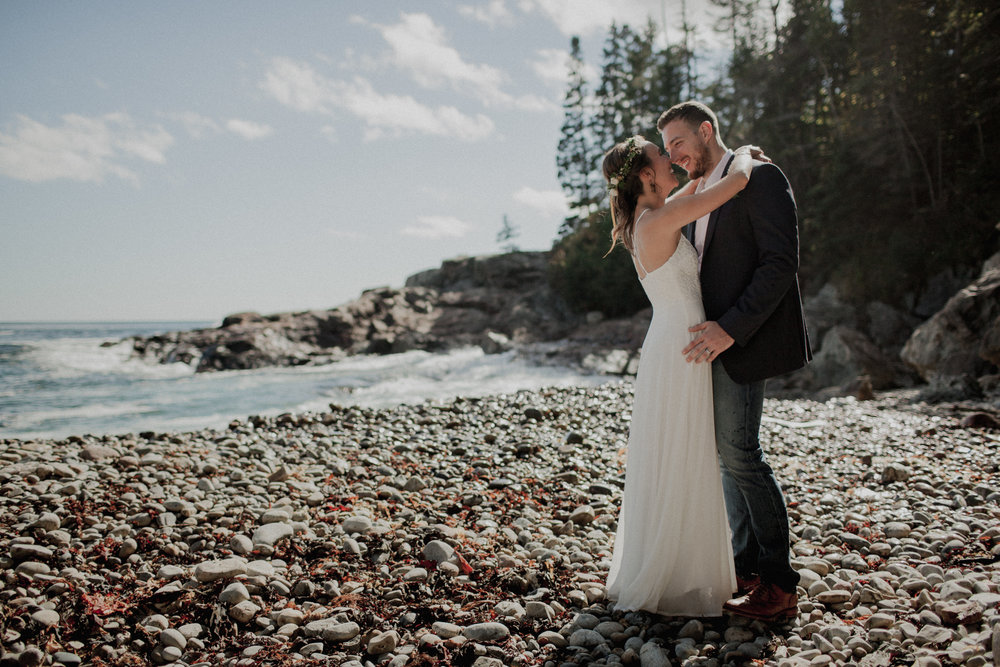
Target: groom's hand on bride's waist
{"points": [[712, 341]]}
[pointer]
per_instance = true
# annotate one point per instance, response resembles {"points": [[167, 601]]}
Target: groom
{"points": [[748, 253]]}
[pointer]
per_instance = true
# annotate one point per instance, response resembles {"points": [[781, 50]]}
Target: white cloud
{"points": [[391, 115], [248, 129], [494, 13], [300, 87], [82, 149], [547, 202], [420, 47], [584, 17], [195, 124], [592, 18], [199, 126], [437, 227], [551, 66]]}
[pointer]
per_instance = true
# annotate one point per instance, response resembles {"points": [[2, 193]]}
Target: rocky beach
{"points": [[478, 532]]}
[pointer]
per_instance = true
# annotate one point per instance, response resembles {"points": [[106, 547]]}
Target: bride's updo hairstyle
{"points": [[621, 168]]}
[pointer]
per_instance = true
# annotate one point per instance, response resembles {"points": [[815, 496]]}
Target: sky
{"points": [[188, 160]]}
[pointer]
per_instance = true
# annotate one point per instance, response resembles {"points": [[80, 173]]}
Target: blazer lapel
{"points": [[713, 218]]}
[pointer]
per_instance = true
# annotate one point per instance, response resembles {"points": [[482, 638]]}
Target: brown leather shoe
{"points": [[746, 584], [766, 602]]}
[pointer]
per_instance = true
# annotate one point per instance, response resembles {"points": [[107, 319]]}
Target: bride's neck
{"points": [[645, 202]]}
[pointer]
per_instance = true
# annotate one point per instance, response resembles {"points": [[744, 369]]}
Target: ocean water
{"points": [[56, 380]]}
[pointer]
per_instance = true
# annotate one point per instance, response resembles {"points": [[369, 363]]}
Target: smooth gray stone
{"points": [[653, 655], [486, 632], [213, 570], [47, 617], [234, 593], [19, 552], [446, 630], [332, 630], [356, 524], [586, 638], [385, 642], [172, 637], [270, 533], [438, 551]]}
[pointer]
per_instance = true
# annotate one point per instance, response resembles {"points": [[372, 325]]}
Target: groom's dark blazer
{"points": [[749, 281]]}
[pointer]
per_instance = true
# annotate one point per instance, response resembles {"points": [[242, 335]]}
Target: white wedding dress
{"points": [[672, 553]]}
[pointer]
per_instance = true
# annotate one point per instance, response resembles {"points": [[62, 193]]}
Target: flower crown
{"points": [[632, 151]]}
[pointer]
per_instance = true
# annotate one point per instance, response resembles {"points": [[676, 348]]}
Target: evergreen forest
{"points": [[880, 112]]}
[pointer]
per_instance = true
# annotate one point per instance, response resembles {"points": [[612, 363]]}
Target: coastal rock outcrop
{"points": [[504, 303], [493, 301], [962, 341]]}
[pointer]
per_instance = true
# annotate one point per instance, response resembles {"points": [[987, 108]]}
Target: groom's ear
{"points": [[705, 130]]}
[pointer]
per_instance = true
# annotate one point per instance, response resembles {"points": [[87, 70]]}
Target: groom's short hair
{"points": [[691, 112]]}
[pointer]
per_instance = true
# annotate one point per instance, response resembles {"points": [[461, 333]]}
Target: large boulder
{"points": [[889, 327], [963, 339], [848, 361], [825, 310]]}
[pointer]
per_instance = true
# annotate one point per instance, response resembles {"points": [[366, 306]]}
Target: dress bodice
{"points": [[676, 280]]}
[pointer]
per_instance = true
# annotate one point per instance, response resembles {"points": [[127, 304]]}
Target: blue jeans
{"points": [[754, 503]]}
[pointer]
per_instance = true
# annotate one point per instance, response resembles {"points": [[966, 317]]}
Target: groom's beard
{"points": [[700, 163]]}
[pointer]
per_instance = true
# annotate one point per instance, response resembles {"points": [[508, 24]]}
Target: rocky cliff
{"points": [[496, 301]]}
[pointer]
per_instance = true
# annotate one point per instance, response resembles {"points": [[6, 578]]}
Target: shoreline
{"points": [[478, 531]]}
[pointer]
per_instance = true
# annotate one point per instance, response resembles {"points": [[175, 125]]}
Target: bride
{"points": [[672, 553]]}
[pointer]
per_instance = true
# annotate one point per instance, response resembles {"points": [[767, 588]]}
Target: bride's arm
{"points": [[688, 189], [679, 211]]}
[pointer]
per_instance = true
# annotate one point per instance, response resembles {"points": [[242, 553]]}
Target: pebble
{"points": [[66, 658], [234, 593], [653, 655], [384, 642], [356, 524], [244, 611], [241, 544], [172, 637], [20, 552], [47, 521], [360, 536], [486, 632], [46, 617], [437, 551], [333, 630], [446, 630], [271, 533], [214, 570], [586, 638]]}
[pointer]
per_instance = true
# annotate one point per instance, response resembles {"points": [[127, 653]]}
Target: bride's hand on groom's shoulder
{"points": [[755, 152]]}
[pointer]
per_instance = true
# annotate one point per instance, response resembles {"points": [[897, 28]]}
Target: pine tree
{"points": [[614, 116], [689, 31], [576, 157], [638, 82], [508, 232]]}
